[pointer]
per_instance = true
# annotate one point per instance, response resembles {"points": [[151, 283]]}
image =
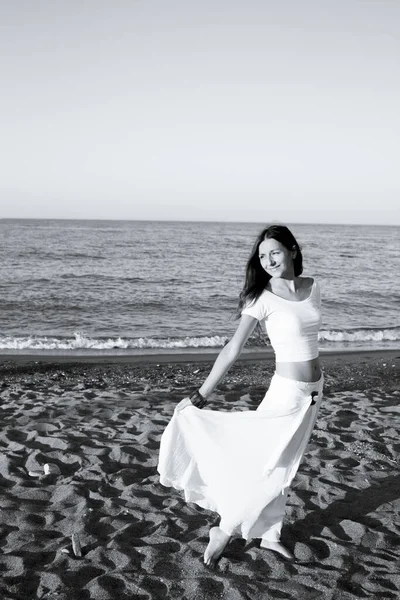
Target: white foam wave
{"points": [[80, 341], [361, 335]]}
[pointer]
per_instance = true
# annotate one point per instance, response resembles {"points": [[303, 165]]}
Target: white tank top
{"points": [[292, 327]]}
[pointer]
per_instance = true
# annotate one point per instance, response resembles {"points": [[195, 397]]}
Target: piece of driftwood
{"points": [[76, 545]]}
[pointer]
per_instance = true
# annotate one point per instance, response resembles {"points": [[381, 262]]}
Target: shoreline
{"points": [[182, 374], [175, 357]]}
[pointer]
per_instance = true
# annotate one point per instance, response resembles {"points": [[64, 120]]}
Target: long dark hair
{"points": [[256, 278]]}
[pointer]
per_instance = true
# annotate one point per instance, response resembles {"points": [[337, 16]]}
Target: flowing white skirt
{"points": [[241, 464]]}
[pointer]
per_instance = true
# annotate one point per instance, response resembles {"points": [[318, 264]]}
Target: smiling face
{"points": [[276, 259]]}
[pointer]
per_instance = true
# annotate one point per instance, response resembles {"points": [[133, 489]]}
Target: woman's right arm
{"points": [[229, 354]]}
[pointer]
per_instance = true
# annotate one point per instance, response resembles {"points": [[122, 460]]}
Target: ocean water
{"points": [[72, 285]]}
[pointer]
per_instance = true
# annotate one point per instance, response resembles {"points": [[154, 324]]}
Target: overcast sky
{"points": [[252, 110]]}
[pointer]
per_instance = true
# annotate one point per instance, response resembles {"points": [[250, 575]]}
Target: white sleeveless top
{"points": [[292, 327]]}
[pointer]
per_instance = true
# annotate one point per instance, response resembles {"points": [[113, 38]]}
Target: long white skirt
{"points": [[241, 464]]}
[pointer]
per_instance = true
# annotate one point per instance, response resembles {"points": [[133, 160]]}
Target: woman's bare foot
{"points": [[216, 546], [277, 547]]}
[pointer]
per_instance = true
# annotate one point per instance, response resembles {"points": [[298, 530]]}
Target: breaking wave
{"points": [[80, 341]]}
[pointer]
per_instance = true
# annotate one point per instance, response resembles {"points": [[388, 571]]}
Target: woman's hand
{"points": [[183, 404], [196, 399]]}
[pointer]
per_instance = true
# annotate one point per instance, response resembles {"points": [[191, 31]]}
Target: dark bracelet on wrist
{"points": [[197, 399]]}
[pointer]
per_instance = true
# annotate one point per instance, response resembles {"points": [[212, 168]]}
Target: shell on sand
{"points": [[48, 469], [35, 473], [51, 469]]}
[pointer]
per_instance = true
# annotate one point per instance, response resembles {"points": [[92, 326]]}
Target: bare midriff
{"points": [[307, 370]]}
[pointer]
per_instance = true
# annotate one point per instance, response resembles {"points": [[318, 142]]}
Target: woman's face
{"points": [[276, 259]]}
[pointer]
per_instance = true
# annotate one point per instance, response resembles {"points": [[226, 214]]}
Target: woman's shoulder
{"points": [[311, 289], [257, 307], [307, 282]]}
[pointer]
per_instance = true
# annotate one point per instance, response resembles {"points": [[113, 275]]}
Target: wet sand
{"points": [[100, 526]]}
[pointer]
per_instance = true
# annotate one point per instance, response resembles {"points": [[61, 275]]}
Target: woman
{"points": [[241, 464]]}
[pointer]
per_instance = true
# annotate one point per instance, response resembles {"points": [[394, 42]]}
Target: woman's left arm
{"points": [[225, 359]]}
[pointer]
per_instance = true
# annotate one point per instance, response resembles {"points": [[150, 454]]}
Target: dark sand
{"points": [[98, 424]]}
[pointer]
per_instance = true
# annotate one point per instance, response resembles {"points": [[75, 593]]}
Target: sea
{"points": [[75, 286]]}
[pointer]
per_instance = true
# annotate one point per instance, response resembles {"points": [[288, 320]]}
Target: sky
{"points": [[211, 110]]}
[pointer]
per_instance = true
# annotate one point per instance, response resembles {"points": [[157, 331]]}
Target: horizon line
{"points": [[272, 221]]}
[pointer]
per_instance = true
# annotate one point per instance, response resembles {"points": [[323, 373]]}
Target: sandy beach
{"points": [[83, 516]]}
